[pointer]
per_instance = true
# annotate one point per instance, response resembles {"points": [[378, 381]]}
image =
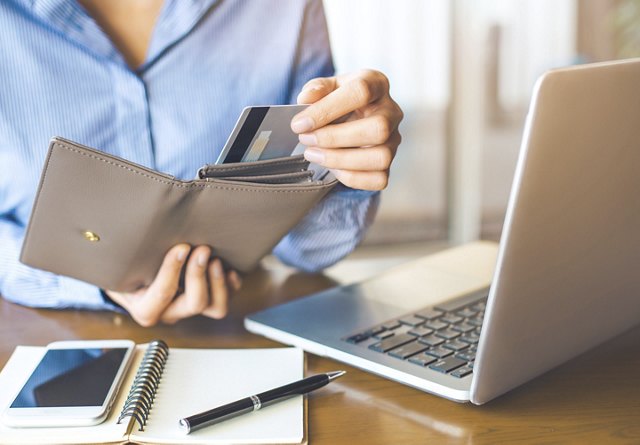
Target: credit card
{"points": [[264, 132]]}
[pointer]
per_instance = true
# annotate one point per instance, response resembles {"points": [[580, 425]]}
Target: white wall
{"points": [[410, 41]]}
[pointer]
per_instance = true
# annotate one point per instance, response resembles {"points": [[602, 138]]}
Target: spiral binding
{"points": [[144, 386]]}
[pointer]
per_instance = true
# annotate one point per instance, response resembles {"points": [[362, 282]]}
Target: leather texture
{"points": [[139, 214]]}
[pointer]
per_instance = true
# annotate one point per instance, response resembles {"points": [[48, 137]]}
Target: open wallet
{"points": [[110, 222]]}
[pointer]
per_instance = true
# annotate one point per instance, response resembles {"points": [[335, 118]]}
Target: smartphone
{"points": [[74, 384]]}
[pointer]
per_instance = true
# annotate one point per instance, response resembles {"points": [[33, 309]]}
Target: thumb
{"points": [[316, 89]]}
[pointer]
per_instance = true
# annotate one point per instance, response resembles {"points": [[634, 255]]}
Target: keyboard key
{"points": [[439, 352], [473, 334], [357, 338], [470, 364], [463, 327], [408, 350], [373, 332], [448, 334], [382, 335], [428, 314], [422, 359], [471, 339], [467, 312], [390, 343], [466, 355], [455, 345], [450, 318], [477, 321], [481, 306], [431, 340], [411, 320], [420, 331], [436, 324], [447, 365], [461, 372], [390, 325]]}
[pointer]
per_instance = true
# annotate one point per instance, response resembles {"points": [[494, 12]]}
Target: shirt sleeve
{"points": [[330, 231], [335, 226], [313, 55], [32, 287]]}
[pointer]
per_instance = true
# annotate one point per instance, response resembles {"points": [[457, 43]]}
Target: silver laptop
{"points": [[567, 275]]}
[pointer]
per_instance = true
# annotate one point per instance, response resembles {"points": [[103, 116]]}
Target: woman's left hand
{"points": [[351, 127]]}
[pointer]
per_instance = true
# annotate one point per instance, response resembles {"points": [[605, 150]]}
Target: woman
{"points": [[160, 83]]}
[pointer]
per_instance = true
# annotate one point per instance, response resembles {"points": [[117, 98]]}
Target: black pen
{"points": [[255, 402]]}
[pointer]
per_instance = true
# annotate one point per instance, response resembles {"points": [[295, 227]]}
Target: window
{"points": [[437, 55]]}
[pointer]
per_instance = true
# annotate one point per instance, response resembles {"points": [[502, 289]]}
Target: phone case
{"points": [[109, 222]]}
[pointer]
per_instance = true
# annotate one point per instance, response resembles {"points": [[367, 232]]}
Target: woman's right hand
{"points": [[206, 289]]}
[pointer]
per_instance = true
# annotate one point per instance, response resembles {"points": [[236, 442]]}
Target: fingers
{"points": [[351, 127], [147, 309], [166, 282], [373, 181], [196, 295], [349, 93], [219, 304], [376, 158], [207, 289], [316, 89], [207, 292], [372, 130], [364, 168], [234, 279]]}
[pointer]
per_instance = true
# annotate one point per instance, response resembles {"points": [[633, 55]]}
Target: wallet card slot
{"points": [[289, 164], [284, 178]]}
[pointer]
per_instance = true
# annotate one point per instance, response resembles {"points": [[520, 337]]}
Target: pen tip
{"points": [[335, 374]]}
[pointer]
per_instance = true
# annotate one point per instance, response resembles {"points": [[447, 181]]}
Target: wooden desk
{"points": [[592, 399]]}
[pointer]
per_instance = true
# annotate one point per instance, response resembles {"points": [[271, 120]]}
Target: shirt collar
{"points": [[176, 19], [70, 19]]}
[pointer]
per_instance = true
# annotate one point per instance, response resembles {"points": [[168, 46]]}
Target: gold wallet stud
{"points": [[91, 236]]}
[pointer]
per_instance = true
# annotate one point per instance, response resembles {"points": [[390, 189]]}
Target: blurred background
{"points": [[463, 72]]}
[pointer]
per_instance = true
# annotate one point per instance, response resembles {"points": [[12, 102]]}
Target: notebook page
{"points": [[23, 360], [196, 380]]}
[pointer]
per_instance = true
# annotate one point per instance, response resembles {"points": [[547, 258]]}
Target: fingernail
{"points": [[203, 259], [236, 277], [308, 139], [302, 125], [217, 269], [314, 155], [182, 254], [313, 89]]}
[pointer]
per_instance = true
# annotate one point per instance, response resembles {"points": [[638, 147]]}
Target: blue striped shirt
{"points": [[61, 75]]}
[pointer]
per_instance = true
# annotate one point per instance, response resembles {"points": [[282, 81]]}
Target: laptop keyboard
{"points": [[443, 338]]}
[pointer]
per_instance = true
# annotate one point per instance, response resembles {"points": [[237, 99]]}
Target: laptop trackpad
{"points": [[416, 284]]}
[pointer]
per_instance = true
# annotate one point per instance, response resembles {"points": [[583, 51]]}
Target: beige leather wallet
{"points": [[109, 222]]}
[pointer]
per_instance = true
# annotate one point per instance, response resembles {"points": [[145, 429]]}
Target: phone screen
{"points": [[71, 377]]}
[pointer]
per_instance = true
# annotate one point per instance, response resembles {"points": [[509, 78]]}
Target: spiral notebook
{"points": [[193, 380]]}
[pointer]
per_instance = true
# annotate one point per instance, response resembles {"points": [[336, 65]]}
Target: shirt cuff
{"points": [[78, 294]]}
